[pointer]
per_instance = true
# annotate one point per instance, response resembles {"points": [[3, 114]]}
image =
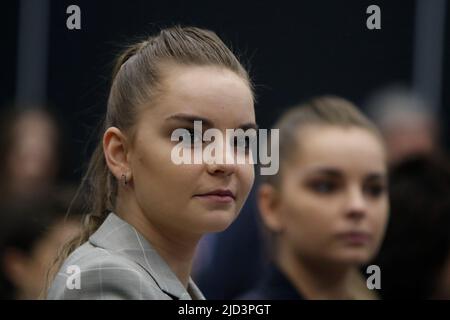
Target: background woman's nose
{"points": [[356, 203]]}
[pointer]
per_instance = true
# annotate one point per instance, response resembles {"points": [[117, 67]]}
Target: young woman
{"points": [[146, 213], [327, 208]]}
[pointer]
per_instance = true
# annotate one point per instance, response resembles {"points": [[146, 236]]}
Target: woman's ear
{"points": [[115, 148], [269, 207]]}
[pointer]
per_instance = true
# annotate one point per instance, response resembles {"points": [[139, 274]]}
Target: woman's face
{"points": [[172, 196], [334, 202]]}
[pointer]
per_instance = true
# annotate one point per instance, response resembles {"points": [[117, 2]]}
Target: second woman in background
{"points": [[327, 208]]}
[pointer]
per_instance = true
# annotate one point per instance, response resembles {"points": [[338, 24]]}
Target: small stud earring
{"points": [[124, 178]]}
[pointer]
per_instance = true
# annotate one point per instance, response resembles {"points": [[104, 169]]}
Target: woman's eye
{"points": [[375, 190], [243, 142], [323, 187], [192, 137]]}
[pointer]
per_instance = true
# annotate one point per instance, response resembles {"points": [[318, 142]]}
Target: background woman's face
{"points": [[334, 200], [169, 193]]}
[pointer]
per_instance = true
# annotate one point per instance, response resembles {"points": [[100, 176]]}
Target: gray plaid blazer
{"points": [[118, 263]]}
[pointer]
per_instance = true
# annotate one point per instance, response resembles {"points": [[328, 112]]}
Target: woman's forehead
{"points": [[205, 92], [205, 85], [345, 148]]}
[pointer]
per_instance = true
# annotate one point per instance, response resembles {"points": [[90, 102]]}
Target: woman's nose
{"points": [[357, 204], [221, 169], [223, 162]]}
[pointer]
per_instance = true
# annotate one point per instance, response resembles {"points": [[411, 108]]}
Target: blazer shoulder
{"points": [[95, 273]]}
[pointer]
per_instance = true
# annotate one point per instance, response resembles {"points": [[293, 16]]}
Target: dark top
{"points": [[274, 285], [223, 270]]}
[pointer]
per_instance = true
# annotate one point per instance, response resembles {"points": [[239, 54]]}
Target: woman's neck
{"points": [[176, 249], [321, 280]]}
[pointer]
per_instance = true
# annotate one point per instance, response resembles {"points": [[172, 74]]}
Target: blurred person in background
{"points": [[30, 148], [408, 124], [415, 256], [327, 208], [31, 235]]}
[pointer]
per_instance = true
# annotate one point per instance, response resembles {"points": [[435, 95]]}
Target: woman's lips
{"points": [[218, 196], [355, 237]]}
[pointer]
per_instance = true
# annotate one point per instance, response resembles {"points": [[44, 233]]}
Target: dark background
{"points": [[295, 50]]}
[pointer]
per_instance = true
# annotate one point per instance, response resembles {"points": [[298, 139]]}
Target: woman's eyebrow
{"points": [[376, 176], [335, 172], [189, 118], [250, 125], [331, 172], [328, 172]]}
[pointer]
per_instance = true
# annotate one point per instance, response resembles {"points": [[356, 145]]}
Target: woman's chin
{"points": [[216, 221], [354, 256]]}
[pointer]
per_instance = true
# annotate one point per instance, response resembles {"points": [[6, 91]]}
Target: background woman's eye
{"points": [[375, 190], [323, 187]]}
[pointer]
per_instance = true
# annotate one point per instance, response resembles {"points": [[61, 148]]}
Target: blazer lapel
{"points": [[120, 237]]}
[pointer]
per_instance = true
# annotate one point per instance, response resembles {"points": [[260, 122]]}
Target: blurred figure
{"points": [[327, 208], [31, 236], [408, 124], [415, 256], [29, 145]]}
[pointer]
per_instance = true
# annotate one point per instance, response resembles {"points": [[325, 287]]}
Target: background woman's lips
{"points": [[355, 237]]}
